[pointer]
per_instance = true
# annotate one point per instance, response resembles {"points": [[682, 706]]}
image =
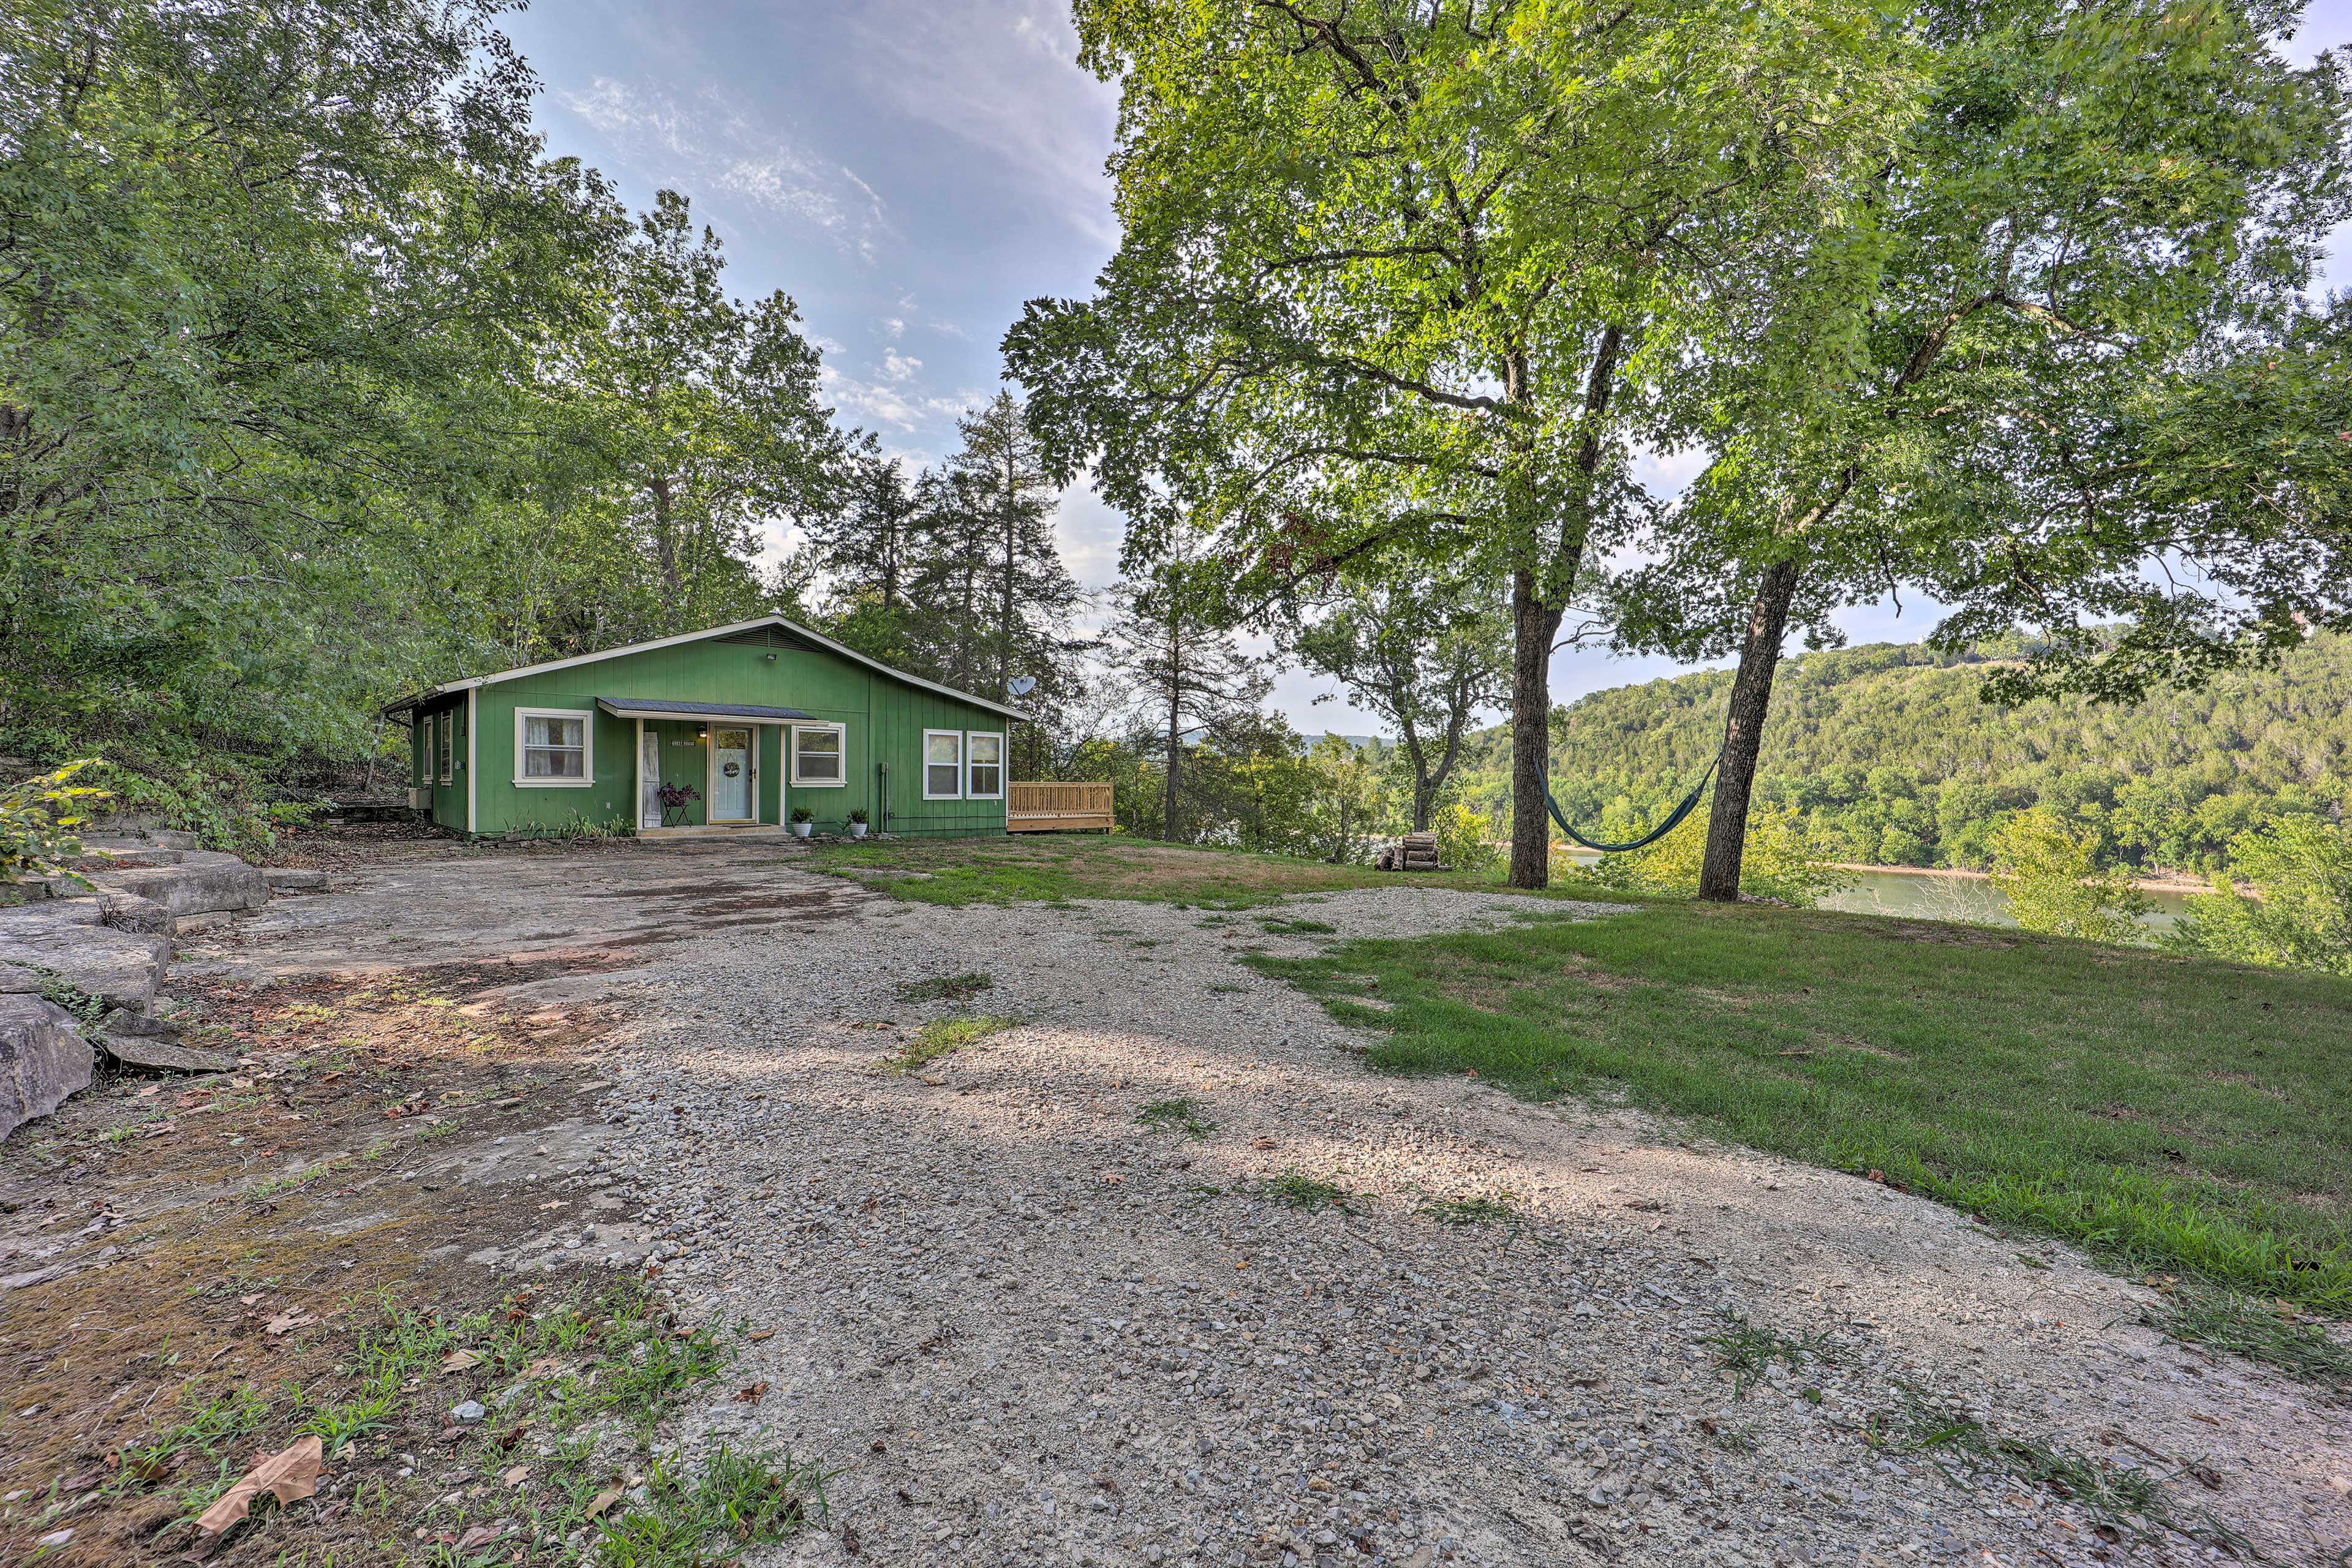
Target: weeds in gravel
{"points": [[1497, 1210], [944, 1038], [946, 989], [2114, 1494], [1747, 1351], [2271, 1333], [1179, 1115], [1296, 1189], [577, 1375], [696, 1517], [1279, 926]]}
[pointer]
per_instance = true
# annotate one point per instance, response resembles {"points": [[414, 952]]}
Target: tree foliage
{"points": [[2300, 917]]}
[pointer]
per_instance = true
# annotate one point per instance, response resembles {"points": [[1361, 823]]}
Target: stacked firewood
{"points": [[1414, 852]]}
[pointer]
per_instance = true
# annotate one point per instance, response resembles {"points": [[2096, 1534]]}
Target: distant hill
{"points": [[1888, 750]]}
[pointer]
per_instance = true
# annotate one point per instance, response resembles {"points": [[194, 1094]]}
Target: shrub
{"points": [[2302, 868], [1782, 859], [859, 814], [802, 813], [1464, 839], [37, 818], [2054, 885]]}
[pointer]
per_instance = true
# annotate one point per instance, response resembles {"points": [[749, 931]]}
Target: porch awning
{"points": [[657, 707]]}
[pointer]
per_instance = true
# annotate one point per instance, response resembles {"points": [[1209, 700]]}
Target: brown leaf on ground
{"points": [[287, 1321], [752, 1395], [458, 1360], [756, 1335], [481, 1535], [289, 1475], [601, 1501], [517, 1476]]}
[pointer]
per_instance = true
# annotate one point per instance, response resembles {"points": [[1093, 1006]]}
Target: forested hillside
{"points": [[1889, 752]]}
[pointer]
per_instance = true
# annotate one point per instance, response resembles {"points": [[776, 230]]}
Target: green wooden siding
{"points": [[883, 719]]}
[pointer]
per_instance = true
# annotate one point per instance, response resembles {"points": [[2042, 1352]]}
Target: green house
{"points": [[735, 727]]}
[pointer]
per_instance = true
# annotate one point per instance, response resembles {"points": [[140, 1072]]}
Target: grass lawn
{"points": [[2172, 1115], [1055, 867]]}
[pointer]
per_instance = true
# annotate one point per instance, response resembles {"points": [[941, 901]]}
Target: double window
{"points": [[963, 764], [818, 754], [551, 748]]}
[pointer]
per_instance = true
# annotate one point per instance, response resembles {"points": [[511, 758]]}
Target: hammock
{"points": [[1673, 821]]}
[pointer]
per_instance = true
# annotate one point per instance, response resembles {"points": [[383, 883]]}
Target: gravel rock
{"points": [[1036, 1330]]}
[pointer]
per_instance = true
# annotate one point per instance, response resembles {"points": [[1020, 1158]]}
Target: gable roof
{"points": [[409, 704]]}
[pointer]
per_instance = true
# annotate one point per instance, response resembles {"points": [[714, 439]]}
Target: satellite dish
{"points": [[1021, 686]]}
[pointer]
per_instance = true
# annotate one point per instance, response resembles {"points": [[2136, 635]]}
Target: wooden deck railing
{"points": [[1057, 807]]}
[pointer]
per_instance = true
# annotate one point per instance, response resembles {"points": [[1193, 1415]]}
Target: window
{"points": [[551, 748], [449, 746], [943, 765], [984, 766], [425, 754], [817, 755]]}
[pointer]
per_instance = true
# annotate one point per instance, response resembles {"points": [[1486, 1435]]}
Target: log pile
{"points": [[1414, 852]]}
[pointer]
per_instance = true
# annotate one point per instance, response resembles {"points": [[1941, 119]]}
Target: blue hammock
{"points": [[1673, 821]]}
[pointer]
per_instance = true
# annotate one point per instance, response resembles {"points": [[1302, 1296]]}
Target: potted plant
{"points": [[675, 798], [858, 821], [803, 821]]}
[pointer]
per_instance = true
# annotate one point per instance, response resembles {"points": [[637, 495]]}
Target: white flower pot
{"points": [[857, 830], [804, 829]]}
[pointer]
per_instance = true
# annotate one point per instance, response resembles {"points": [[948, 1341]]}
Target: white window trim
{"points": [[587, 717], [448, 746], [969, 737], [793, 744], [957, 792]]}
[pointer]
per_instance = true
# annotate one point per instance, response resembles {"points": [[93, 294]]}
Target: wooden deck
{"points": [[1054, 808]]}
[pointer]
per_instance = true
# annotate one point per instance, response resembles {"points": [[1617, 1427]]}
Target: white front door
{"points": [[730, 776], [649, 811]]}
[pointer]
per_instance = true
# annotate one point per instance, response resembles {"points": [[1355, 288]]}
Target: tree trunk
{"points": [[1743, 731], [1532, 625], [1175, 727]]}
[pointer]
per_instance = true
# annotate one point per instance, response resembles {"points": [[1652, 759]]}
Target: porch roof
{"points": [[659, 707]]}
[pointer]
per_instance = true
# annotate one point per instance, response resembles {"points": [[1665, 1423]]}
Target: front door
{"points": [[649, 775], [684, 773], [730, 776]]}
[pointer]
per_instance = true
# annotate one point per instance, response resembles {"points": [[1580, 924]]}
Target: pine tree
{"points": [[1002, 479], [1173, 640]]}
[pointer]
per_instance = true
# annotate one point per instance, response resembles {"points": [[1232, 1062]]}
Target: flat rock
{"points": [[43, 1059], [129, 912], [204, 881], [160, 1054], [119, 967], [294, 880]]}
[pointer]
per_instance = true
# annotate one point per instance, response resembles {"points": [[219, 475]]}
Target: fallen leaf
{"points": [[752, 1395], [287, 1321], [289, 1475], [517, 1476], [601, 1501], [757, 1334], [86, 1481], [458, 1360], [481, 1535], [1262, 1143]]}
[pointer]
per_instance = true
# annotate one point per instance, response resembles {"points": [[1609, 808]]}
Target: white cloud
{"points": [[705, 147], [891, 400], [898, 367], [1008, 85]]}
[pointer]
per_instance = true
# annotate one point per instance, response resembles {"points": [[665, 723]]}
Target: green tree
{"points": [[706, 409], [269, 275], [1423, 653], [2301, 916], [1392, 274], [2054, 884], [2057, 342]]}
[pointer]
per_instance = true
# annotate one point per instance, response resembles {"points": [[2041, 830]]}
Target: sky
{"points": [[911, 172]]}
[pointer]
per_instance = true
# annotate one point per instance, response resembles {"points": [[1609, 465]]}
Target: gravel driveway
{"points": [[1034, 1330]]}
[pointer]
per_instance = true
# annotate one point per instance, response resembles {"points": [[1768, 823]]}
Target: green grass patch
{"points": [[1473, 1211], [1175, 1116], [1281, 927], [1297, 1190], [946, 989], [2166, 1114], [1749, 1352], [2271, 1333], [958, 872], [944, 1038]]}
